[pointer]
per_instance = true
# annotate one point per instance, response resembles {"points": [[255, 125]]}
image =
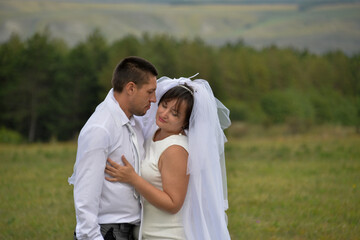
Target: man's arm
{"points": [[91, 160]]}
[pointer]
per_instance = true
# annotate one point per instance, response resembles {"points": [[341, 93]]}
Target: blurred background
{"points": [[270, 62], [288, 70]]}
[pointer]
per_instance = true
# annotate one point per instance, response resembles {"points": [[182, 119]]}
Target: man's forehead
{"points": [[151, 83]]}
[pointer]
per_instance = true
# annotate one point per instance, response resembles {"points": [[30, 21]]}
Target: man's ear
{"points": [[130, 88]]}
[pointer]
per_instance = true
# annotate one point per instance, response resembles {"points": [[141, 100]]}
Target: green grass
{"points": [[299, 187], [36, 200], [280, 187]]}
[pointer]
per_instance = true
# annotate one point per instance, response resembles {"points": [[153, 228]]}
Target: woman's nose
{"points": [[165, 113]]}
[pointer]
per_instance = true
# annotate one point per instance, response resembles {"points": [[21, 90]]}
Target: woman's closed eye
{"points": [[175, 113]]}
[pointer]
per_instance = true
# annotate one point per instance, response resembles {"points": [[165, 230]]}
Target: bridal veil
{"points": [[206, 200]]}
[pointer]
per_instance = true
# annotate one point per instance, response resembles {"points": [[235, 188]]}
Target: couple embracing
{"points": [[150, 160]]}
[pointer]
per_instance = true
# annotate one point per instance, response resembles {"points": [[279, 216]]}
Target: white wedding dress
{"points": [[203, 212], [156, 223]]}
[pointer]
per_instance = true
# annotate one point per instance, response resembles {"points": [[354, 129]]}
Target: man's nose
{"points": [[153, 98]]}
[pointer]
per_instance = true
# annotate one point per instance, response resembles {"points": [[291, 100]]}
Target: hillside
{"points": [[319, 28]]}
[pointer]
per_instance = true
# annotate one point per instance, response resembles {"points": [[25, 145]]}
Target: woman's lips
{"points": [[161, 120]]}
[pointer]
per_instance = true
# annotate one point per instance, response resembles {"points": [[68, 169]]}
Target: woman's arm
{"points": [[172, 166]]}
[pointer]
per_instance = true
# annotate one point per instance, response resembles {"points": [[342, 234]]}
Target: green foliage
{"points": [[10, 136], [239, 111], [282, 105], [277, 106], [289, 106], [331, 107], [48, 90], [245, 112], [79, 88], [29, 70], [10, 56]]}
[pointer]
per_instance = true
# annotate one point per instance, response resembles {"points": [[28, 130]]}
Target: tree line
{"points": [[48, 90]]}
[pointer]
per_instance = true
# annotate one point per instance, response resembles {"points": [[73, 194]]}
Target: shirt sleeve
{"points": [[91, 159]]}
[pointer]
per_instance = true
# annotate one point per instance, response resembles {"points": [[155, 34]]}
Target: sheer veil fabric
{"points": [[206, 200]]}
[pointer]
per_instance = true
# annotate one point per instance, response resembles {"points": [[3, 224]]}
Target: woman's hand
{"points": [[118, 173]]}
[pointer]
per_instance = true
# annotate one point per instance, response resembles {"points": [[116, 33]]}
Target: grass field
{"points": [[280, 187]]}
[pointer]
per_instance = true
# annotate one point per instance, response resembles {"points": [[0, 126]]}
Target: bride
{"points": [[182, 179]]}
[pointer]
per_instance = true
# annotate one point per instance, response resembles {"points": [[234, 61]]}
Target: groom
{"points": [[108, 210]]}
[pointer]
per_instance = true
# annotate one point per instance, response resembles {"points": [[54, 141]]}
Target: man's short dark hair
{"points": [[132, 69]]}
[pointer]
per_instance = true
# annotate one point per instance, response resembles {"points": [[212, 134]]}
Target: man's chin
{"points": [[143, 112], [140, 113]]}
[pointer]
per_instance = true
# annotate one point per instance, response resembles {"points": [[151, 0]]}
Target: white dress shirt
{"points": [[98, 201]]}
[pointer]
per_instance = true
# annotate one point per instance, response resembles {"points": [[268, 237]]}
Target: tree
{"points": [[81, 86], [10, 58], [30, 87]]}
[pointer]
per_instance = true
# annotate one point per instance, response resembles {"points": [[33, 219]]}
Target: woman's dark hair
{"points": [[132, 69], [181, 94]]}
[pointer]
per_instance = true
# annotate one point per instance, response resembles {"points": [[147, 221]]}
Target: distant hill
{"points": [[318, 26], [210, 1]]}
